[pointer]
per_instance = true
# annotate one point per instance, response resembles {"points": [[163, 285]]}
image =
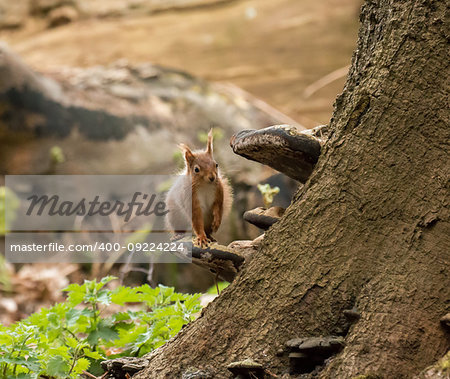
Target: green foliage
{"points": [[213, 290], [73, 336], [218, 134], [5, 282], [178, 159], [445, 363], [7, 213], [268, 193], [57, 155]]}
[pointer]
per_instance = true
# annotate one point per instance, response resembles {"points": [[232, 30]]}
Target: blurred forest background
{"points": [[273, 49], [111, 87]]}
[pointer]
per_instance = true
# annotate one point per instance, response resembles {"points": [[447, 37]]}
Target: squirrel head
{"points": [[201, 165]]}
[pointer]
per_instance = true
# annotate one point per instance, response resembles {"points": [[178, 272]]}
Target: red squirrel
{"points": [[210, 191]]}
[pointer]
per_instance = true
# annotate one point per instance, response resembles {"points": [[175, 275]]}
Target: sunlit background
{"points": [[111, 87]]}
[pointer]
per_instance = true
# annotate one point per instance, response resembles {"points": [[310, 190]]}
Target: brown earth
{"points": [[272, 49]]}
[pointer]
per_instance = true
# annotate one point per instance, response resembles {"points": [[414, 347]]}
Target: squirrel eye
{"points": [[196, 169], [217, 165]]}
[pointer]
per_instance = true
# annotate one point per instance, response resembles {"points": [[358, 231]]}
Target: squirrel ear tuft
{"points": [[209, 144], [188, 154]]}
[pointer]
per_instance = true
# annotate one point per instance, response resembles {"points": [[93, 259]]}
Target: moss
{"points": [[444, 363]]}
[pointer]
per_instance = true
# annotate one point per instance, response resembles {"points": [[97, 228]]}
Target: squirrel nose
{"points": [[212, 178]]}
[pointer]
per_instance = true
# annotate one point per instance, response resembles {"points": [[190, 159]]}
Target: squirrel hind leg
{"points": [[208, 232]]}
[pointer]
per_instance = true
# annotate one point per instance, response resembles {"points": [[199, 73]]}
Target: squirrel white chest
{"points": [[206, 194]]}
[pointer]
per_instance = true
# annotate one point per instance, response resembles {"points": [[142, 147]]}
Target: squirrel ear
{"points": [[209, 144], [188, 154]]}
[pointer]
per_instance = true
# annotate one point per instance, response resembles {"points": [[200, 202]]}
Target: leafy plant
{"points": [[268, 193], [5, 280], [7, 213], [74, 336], [56, 155]]}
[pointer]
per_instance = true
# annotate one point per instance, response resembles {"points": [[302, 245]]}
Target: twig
{"points": [[125, 269], [216, 283], [271, 373], [325, 80], [89, 375], [262, 105]]}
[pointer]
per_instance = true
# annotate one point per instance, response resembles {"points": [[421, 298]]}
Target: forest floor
{"points": [[273, 49]]}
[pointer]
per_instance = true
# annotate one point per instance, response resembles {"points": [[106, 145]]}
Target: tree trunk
{"points": [[370, 229]]}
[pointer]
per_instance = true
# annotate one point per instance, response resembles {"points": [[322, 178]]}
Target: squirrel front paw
{"points": [[202, 241]]}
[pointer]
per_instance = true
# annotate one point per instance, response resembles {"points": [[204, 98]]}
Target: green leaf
{"points": [[124, 316], [92, 354], [76, 294], [104, 331], [122, 295], [148, 294], [128, 336], [106, 280], [104, 297], [81, 365], [73, 315], [57, 366], [32, 364], [213, 290], [48, 341], [72, 342], [164, 312], [166, 292], [193, 302]]}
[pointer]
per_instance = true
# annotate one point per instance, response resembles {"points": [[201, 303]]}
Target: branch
{"points": [[119, 367], [218, 259]]}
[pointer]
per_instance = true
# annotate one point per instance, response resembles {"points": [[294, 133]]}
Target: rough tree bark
{"points": [[370, 229]]}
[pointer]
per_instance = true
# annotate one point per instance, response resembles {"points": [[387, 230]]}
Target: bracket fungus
{"points": [[281, 147]]}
